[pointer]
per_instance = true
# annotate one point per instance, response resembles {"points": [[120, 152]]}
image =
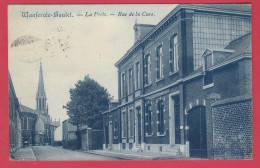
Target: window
{"points": [[208, 79], [208, 60], [148, 118], [159, 62], [160, 120], [25, 123], [30, 123], [123, 85], [147, 69], [116, 130], [131, 122], [130, 80], [137, 75], [124, 124], [174, 57]]}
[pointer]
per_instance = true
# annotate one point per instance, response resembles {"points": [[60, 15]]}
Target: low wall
{"points": [[232, 128]]}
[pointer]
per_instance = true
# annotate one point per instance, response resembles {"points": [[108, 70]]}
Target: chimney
{"points": [[141, 30]]}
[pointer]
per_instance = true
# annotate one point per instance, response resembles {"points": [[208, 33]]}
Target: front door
{"points": [[106, 136], [139, 125], [197, 132], [177, 119], [110, 133]]}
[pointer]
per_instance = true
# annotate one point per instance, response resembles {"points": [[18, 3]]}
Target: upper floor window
{"points": [[160, 120], [174, 57], [137, 75], [123, 85], [147, 69], [159, 62], [130, 80]]}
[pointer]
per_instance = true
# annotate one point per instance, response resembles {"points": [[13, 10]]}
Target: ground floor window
{"points": [[124, 124], [160, 120], [132, 122], [148, 119]]}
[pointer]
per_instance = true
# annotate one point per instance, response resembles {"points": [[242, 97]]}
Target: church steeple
{"points": [[41, 96]]}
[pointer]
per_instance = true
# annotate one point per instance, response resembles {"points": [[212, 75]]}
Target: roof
{"points": [[226, 7], [27, 109], [241, 45], [10, 84], [144, 25], [237, 9]]}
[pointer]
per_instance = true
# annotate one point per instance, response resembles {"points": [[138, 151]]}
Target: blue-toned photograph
{"points": [[130, 82]]}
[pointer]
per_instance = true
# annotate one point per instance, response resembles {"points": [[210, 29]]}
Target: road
{"points": [[58, 153]]}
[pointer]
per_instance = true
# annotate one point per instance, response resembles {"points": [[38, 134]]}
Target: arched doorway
{"points": [[197, 134]]}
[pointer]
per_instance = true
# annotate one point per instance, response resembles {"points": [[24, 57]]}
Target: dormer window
{"points": [[208, 75], [212, 57], [208, 60]]}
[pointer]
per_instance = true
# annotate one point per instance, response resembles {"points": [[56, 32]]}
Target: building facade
{"points": [[69, 136], [171, 77], [37, 125], [15, 131]]}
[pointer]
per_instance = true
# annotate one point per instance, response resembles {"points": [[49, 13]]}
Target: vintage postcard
{"points": [[130, 82]]}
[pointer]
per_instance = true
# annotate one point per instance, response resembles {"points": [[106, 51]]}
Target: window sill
{"points": [[137, 89], [173, 73], [159, 80], [208, 86], [148, 135], [159, 134], [147, 85]]}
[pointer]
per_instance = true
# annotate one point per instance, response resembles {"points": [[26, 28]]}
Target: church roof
{"points": [[27, 109], [41, 91]]}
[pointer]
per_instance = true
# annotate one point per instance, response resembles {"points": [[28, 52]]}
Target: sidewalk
{"points": [[133, 155], [24, 154]]}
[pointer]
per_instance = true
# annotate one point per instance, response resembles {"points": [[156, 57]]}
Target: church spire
{"points": [[41, 91], [41, 96]]}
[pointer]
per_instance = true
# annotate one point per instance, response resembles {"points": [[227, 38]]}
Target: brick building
{"points": [[15, 132], [172, 76]]}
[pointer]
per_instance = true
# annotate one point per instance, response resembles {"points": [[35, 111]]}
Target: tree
{"points": [[88, 101]]}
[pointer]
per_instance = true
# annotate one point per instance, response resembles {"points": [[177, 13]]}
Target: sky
{"points": [[70, 47]]}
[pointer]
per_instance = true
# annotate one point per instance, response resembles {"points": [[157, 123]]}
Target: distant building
{"points": [[185, 85], [90, 139], [58, 134], [69, 137], [37, 125], [15, 137]]}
